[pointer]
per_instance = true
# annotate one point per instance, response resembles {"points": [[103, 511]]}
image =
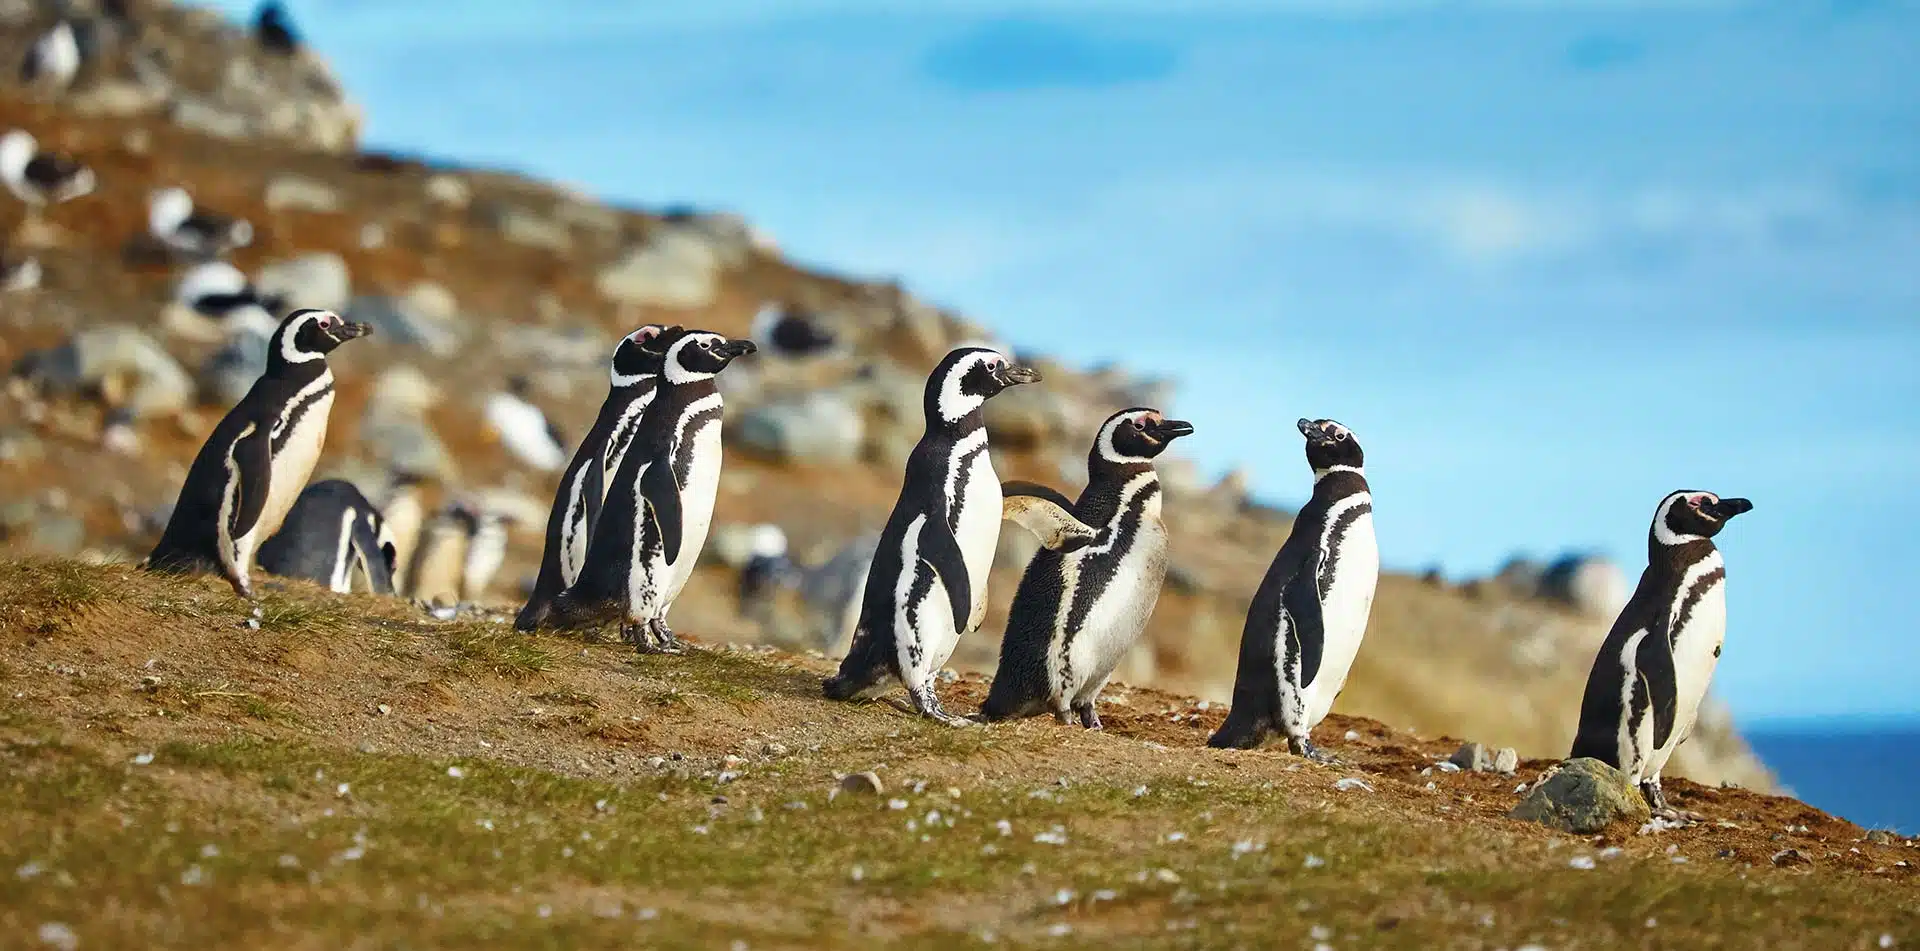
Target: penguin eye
{"points": [[325, 323], [1340, 437], [1137, 423]]}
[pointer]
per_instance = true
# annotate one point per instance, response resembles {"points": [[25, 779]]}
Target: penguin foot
{"points": [[665, 639], [1088, 718], [927, 704], [1656, 799], [1303, 747], [1063, 717]]}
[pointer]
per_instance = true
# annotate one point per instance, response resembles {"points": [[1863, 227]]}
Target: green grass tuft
{"points": [[495, 649]]}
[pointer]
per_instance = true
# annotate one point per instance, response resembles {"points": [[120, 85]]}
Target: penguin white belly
{"points": [[925, 635], [1114, 622], [696, 510], [293, 464], [978, 529], [1696, 653], [1344, 610]]}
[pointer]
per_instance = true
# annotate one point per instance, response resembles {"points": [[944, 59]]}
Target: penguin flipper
{"points": [[1653, 663], [662, 497], [252, 480], [941, 551], [593, 492], [1307, 634], [1047, 514]]}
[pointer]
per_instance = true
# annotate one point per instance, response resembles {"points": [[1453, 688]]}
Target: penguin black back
{"points": [[331, 532]]}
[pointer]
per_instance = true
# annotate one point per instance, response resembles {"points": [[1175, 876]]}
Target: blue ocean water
{"points": [[1863, 771]]}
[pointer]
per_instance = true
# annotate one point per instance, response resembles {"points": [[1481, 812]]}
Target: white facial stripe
{"points": [[1663, 534], [954, 405], [675, 372], [1108, 450], [289, 347]]}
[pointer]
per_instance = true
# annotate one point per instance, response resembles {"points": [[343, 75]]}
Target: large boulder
{"points": [[318, 279], [816, 429], [1583, 796], [674, 269]]}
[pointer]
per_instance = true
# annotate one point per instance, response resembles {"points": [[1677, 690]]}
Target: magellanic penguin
{"points": [[659, 503], [634, 373], [927, 585], [40, 178], [1310, 612], [335, 537], [437, 575], [1081, 606], [1654, 668], [523, 428], [258, 458]]}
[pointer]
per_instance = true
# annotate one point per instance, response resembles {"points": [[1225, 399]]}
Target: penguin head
{"points": [[1330, 444], [1691, 515], [1136, 435], [311, 334], [700, 354], [639, 355], [969, 376]]}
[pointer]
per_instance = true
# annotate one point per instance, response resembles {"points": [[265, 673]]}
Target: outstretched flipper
{"points": [[941, 551], [662, 493], [1047, 514]]}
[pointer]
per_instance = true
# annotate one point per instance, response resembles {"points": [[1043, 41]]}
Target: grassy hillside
{"points": [[351, 775]]}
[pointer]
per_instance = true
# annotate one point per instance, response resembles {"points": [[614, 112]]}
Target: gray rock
{"points": [[1882, 837], [298, 193], [672, 270], [814, 429], [589, 215], [116, 97], [1590, 584], [318, 279], [1584, 796], [1027, 417], [202, 116], [1472, 756], [1520, 578], [1506, 760], [426, 316], [449, 190], [21, 446], [729, 236], [17, 516], [867, 783], [526, 228]]}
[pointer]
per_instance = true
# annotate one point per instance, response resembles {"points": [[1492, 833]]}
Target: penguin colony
{"points": [[636, 499]]}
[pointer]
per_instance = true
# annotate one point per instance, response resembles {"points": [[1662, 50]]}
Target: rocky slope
{"points": [[474, 276]]}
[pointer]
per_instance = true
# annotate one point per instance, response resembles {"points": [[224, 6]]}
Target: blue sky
{"points": [[1550, 261]]}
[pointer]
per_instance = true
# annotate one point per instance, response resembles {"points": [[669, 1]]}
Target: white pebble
{"points": [[1105, 894], [29, 871], [1352, 735], [1176, 837], [1005, 827], [859, 873], [1886, 941], [1612, 852], [544, 911], [143, 759], [194, 875], [1059, 930], [456, 772], [1320, 933], [1063, 896], [1351, 783], [647, 914], [1581, 862], [1054, 836], [53, 934], [1167, 875], [1315, 861], [896, 804]]}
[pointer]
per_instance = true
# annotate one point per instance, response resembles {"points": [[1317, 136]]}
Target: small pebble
{"points": [[1582, 862], [456, 772], [1315, 861], [1351, 783], [53, 934], [143, 759]]}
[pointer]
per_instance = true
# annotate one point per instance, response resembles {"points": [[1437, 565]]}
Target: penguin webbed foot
{"points": [[669, 642], [1063, 716], [1656, 799], [1088, 718], [927, 704], [1303, 747]]}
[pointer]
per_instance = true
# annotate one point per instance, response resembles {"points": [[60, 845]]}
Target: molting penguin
{"points": [[633, 376], [927, 585], [1080, 607], [259, 456], [1653, 670], [659, 503], [333, 536], [1310, 612]]}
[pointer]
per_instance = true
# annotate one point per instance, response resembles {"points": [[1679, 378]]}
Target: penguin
{"points": [[273, 28], [437, 575], [1653, 669], [259, 456], [1080, 608], [927, 584], [215, 301], [1304, 627], [335, 537], [791, 333], [633, 375], [486, 552], [659, 502], [54, 59], [176, 223], [403, 512], [40, 178], [524, 429]]}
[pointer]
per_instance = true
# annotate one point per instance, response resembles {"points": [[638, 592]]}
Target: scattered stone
{"points": [[525, 228], [1506, 761], [1583, 796], [317, 279], [426, 316], [673, 270], [1351, 783], [1882, 837], [1786, 857], [298, 193], [1472, 756], [449, 190], [1314, 861], [815, 429], [56, 935]]}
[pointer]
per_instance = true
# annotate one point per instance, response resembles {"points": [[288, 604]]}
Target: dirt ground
{"points": [[176, 778]]}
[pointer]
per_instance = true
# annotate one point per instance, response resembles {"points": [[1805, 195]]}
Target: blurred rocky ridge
{"points": [[473, 276]]}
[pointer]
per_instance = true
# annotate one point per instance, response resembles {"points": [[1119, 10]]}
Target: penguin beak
{"points": [[1315, 435], [734, 349], [1014, 374], [1167, 430], [1728, 508], [347, 330]]}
